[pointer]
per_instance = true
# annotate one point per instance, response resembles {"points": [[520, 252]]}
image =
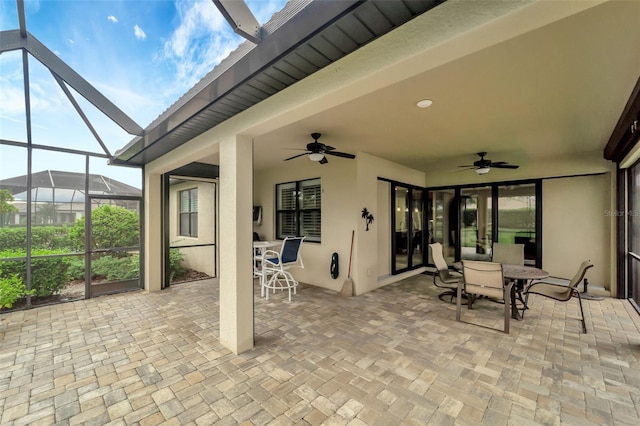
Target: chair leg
{"points": [[507, 307], [526, 303], [584, 325], [459, 301]]}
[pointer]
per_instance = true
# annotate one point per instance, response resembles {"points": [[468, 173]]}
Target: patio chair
{"points": [[276, 266], [511, 254], [447, 278], [483, 279], [562, 292]]}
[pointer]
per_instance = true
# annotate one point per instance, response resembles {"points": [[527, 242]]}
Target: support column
{"points": [[152, 232], [236, 278]]}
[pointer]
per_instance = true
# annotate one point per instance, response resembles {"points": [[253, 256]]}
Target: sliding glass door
{"points": [[407, 224], [633, 218], [475, 223], [517, 218], [442, 220], [468, 220]]}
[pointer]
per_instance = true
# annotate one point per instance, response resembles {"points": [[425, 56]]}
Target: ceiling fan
{"points": [[483, 166], [317, 151]]}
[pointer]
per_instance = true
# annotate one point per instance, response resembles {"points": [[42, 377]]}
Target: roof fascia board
{"points": [[12, 40], [305, 24], [240, 18]]}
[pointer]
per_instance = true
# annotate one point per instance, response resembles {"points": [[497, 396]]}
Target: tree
{"points": [[6, 208]]}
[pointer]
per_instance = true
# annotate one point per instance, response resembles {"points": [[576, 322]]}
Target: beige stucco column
{"points": [[153, 232], [236, 279]]}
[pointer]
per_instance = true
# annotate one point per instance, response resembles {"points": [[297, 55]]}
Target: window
{"points": [[298, 211], [189, 213]]}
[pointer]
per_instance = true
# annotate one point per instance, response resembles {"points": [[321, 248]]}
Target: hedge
{"points": [[48, 275]]}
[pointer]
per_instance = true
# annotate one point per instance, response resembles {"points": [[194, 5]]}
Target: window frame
{"points": [[298, 211], [190, 215]]}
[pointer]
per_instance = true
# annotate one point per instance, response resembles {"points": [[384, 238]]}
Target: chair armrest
{"points": [[271, 254]]}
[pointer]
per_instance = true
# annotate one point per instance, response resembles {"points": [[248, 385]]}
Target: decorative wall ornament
{"points": [[368, 217]]}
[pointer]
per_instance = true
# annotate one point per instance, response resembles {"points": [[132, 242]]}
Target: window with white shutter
{"points": [[298, 209], [188, 213]]}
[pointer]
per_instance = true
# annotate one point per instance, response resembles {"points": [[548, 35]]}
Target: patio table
{"points": [[520, 274]]}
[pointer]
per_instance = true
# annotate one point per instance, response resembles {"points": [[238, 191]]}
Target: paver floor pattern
{"points": [[393, 356]]}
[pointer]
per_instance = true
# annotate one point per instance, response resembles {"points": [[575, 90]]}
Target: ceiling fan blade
{"points": [[340, 154], [323, 161], [294, 149], [296, 156], [328, 148], [504, 166], [470, 166]]}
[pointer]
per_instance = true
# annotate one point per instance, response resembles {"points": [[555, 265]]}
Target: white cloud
{"points": [[196, 20], [140, 35], [199, 42], [112, 18]]}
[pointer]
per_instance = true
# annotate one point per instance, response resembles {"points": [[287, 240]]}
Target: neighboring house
{"points": [[540, 84], [58, 197]]}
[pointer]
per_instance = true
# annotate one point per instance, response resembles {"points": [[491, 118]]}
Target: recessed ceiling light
{"points": [[425, 103]]}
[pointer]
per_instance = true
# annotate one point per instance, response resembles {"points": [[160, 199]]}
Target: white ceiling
{"points": [[552, 92]]}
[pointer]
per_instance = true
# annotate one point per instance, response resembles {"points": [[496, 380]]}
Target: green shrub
{"points": [[42, 237], [48, 275], [111, 226], [76, 269], [12, 288], [109, 267], [116, 268], [175, 263]]}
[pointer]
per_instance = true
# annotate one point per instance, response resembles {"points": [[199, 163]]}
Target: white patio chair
{"points": [[276, 267]]}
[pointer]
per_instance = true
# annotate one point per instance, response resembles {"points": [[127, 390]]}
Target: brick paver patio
{"points": [[392, 356]]}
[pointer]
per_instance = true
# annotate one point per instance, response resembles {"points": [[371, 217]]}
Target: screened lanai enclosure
{"points": [[70, 221]]}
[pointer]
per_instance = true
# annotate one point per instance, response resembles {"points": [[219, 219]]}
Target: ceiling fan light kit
{"points": [[317, 151], [483, 166]]}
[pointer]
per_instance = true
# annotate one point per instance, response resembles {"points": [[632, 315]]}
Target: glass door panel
{"points": [[442, 221], [417, 241], [401, 219], [517, 218], [633, 220], [475, 223], [114, 250]]}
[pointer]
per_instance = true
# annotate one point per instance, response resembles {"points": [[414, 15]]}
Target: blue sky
{"points": [[142, 55]]}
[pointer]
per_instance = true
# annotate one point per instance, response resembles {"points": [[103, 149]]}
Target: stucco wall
{"points": [[576, 227], [348, 186]]}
